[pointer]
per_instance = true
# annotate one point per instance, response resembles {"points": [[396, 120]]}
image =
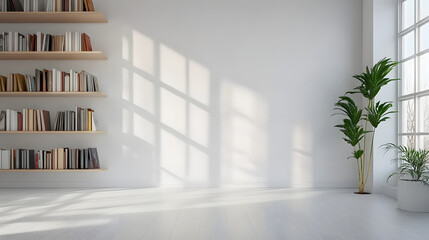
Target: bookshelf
{"points": [[52, 17], [52, 132], [54, 94], [54, 170], [53, 55]]}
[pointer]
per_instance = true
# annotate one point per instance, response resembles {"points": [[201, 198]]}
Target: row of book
{"points": [[82, 119], [59, 158], [41, 42], [50, 81], [46, 5]]}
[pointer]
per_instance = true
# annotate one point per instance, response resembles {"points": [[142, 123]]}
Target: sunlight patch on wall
{"points": [[127, 121], [173, 111], [126, 84], [302, 156], [199, 124], [245, 102], [244, 140], [143, 93], [143, 129], [242, 133], [173, 69], [127, 154], [143, 53], [125, 48], [199, 82], [198, 166], [183, 110], [173, 159]]}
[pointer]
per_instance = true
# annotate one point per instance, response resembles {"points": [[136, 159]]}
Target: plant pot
{"points": [[413, 196]]}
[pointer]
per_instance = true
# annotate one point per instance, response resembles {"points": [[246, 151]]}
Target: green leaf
{"points": [[373, 79], [413, 163], [353, 132], [357, 154], [347, 107], [378, 113]]}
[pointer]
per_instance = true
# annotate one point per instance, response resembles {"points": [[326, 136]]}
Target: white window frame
{"points": [[416, 56]]}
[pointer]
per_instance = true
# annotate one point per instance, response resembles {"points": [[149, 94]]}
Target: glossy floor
{"points": [[204, 214]]}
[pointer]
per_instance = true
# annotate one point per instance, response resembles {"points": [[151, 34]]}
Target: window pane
{"points": [[424, 71], [408, 116], [408, 45], [407, 13], [424, 142], [424, 114], [424, 37], [424, 8], [409, 141], [407, 78]]}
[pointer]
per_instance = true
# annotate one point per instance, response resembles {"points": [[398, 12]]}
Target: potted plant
{"points": [[413, 182], [359, 124]]}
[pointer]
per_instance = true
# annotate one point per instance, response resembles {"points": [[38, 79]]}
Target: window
{"points": [[414, 71]]}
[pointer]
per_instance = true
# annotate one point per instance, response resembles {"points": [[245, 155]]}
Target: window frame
{"points": [[416, 94]]}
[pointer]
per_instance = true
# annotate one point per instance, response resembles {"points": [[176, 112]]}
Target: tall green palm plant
{"points": [[359, 125]]}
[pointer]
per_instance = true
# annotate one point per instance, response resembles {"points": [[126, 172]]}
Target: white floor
{"points": [[204, 214]]}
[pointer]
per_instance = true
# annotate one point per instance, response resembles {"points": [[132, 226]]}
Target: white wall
{"points": [[209, 93], [380, 41], [384, 44]]}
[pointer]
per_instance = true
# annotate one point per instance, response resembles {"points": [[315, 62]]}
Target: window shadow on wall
{"points": [[173, 107]]}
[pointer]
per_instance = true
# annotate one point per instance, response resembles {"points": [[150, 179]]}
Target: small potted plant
{"points": [[413, 182]]}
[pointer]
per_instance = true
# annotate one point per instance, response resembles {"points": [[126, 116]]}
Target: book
{"points": [[3, 83], [39, 79], [1, 41], [36, 161], [30, 120], [9, 6], [18, 159], [32, 158], [50, 81], [5, 159], [2, 120], [59, 158], [20, 80], [94, 158], [90, 6], [8, 120], [86, 159], [25, 119], [20, 121], [14, 85], [39, 120], [86, 42], [46, 120], [15, 5], [70, 41]]}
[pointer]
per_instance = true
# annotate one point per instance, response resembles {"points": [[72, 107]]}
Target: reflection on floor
{"points": [[204, 214]]}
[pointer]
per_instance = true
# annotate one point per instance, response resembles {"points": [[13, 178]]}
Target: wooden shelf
{"points": [[53, 55], [52, 94], [52, 17], [53, 132], [54, 170]]}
